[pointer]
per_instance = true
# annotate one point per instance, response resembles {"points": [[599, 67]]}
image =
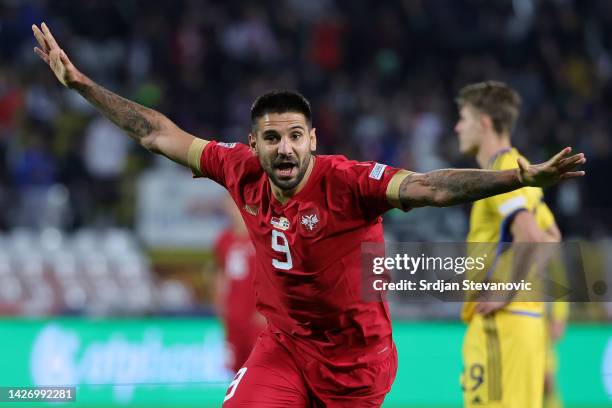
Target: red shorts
{"points": [[240, 341], [273, 377]]}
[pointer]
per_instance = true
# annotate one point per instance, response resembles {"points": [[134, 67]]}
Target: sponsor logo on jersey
{"points": [[251, 209], [378, 171], [281, 223], [227, 145]]}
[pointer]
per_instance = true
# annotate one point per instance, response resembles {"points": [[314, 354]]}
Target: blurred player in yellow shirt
{"points": [[556, 314], [505, 344]]}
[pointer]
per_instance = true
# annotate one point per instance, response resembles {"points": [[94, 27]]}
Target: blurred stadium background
{"points": [[106, 275]]}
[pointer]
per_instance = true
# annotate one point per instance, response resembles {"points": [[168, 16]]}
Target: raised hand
{"points": [[54, 56], [150, 128], [560, 167]]}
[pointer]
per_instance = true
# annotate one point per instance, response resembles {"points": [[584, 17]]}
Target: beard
{"points": [[286, 165]]}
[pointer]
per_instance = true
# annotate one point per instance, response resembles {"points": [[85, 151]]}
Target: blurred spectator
{"points": [[381, 77], [105, 153], [33, 172]]}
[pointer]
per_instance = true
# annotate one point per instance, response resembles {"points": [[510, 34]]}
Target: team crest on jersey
{"points": [[281, 223], [310, 221], [227, 145], [378, 171]]}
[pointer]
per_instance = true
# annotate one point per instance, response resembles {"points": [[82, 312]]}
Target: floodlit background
{"points": [[106, 278]]}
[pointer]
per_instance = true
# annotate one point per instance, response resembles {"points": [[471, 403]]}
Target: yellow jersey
{"points": [[490, 223]]}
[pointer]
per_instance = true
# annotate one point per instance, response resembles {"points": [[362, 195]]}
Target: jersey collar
{"points": [[497, 154]]}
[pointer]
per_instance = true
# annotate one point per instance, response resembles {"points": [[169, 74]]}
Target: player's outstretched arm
{"points": [[442, 188], [150, 128]]}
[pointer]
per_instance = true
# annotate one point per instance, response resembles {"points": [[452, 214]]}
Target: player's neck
{"points": [[285, 195], [490, 146]]}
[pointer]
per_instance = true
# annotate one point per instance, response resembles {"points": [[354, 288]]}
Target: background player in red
{"points": [[307, 216], [235, 256]]}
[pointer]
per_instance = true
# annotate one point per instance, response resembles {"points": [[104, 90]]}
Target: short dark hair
{"points": [[280, 101], [496, 99]]}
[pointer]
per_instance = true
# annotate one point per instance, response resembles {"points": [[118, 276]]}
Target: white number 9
{"points": [[280, 244]]}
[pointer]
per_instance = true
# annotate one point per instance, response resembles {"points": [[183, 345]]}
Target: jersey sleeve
{"points": [[223, 163], [508, 204], [374, 186], [544, 216]]}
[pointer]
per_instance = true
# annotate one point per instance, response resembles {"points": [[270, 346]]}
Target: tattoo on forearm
{"points": [[132, 117], [455, 186]]}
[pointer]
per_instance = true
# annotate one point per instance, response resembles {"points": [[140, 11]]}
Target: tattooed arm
{"points": [[442, 188], [150, 128]]}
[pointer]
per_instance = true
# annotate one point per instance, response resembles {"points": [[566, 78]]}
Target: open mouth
{"points": [[285, 170]]}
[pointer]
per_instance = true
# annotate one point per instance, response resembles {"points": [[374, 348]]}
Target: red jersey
{"points": [[236, 256], [308, 276]]}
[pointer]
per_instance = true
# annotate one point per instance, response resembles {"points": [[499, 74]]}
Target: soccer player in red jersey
{"points": [[235, 256], [307, 216]]}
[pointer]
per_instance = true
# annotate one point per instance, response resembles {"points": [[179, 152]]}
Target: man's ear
{"points": [[313, 139], [485, 121], [253, 143]]}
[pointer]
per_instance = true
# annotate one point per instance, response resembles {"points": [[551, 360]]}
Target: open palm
{"points": [[558, 168], [54, 56]]}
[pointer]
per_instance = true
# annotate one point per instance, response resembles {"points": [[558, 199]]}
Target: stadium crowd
{"points": [[381, 77]]}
